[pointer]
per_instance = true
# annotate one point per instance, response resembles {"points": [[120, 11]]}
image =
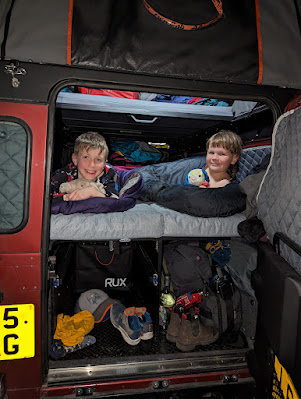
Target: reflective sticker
{"points": [[283, 387]]}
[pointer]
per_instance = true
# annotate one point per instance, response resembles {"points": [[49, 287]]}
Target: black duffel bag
{"points": [[106, 266]]}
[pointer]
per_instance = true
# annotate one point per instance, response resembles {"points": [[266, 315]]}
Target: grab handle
{"points": [[144, 120]]}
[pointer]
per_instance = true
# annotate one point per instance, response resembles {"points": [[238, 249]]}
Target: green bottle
{"points": [[167, 297]]}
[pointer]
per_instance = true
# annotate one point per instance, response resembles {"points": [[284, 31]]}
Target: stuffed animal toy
{"points": [[77, 184], [197, 177]]}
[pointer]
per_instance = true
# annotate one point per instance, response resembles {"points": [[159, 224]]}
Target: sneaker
{"points": [[146, 323], [192, 333], [56, 349], [127, 322]]}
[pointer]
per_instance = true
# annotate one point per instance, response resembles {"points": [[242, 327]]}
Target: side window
{"points": [[14, 144]]}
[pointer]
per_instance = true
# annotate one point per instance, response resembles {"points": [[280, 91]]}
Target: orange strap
{"points": [[69, 35], [260, 66], [104, 264], [217, 4]]}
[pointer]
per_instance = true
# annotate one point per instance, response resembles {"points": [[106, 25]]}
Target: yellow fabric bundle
{"points": [[72, 330]]}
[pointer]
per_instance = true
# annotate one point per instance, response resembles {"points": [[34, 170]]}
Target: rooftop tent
{"points": [[248, 42]]}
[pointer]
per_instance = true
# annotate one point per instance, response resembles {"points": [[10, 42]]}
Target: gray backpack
{"points": [[221, 307], [188, 265]]}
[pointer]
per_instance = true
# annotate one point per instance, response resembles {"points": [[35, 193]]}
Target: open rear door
{"points": [[278, 288]]}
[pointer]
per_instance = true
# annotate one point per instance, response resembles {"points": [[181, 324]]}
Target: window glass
{"points": [[13, 148]]}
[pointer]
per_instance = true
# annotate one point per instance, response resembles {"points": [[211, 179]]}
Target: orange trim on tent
{"points": [[217, 4], [70, 17], [260, 68]]}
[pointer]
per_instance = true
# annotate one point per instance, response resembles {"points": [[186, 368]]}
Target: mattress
{"points": [[144, 221], [178, 224], [139, 222]]}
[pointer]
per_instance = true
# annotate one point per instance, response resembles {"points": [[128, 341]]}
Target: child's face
{"points": [[219, 159], [89, 163]]}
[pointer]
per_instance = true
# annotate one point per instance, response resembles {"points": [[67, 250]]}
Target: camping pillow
{"points": [[203, 202]]}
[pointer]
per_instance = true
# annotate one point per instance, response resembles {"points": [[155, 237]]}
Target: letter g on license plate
{"points": [[17, 338]]}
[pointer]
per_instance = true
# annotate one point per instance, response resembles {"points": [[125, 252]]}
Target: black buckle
{"points": [[225, 288]]}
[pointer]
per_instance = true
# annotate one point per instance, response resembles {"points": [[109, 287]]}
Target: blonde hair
{"points": [[91, 140], [231, 142]]}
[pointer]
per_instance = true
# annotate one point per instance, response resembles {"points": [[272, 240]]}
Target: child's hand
{"points": [[83, 193]]}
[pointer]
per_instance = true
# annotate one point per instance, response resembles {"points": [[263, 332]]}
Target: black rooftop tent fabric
{"points": [[37, 31], [123, 35], [281, 42], [246, 41]]}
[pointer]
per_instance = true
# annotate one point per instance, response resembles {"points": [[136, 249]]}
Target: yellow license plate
{"points": [[284, 382], [17, 338]]}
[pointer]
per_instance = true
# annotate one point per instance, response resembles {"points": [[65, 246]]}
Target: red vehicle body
{"points": [[20, 270], [29, 90]]}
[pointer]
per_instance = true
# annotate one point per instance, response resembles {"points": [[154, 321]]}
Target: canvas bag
{"points": [[106, 266], [188, 265], [221, 306]]}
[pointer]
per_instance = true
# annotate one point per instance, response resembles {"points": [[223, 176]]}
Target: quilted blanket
{"points": [[279, 198]]}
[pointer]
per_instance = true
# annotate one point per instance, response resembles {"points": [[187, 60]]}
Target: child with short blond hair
{"points": [[223, 152], [89, 163]]}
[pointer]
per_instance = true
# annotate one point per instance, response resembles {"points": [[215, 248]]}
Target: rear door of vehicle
{"points": [[23, 131]]}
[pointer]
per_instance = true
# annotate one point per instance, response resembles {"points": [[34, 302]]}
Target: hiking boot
{"points": [[127, 322], [145, 322], [173, 327], [192, 333]]}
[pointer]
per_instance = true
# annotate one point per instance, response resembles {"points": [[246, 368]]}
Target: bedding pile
{"points": [[148, 219], [130, 184], [165, 185]]}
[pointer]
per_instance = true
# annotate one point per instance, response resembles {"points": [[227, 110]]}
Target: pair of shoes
{"points": [[133, 325], [188, 332]]}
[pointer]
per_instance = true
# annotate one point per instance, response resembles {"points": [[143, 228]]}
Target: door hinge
{"points": [[52, 275], [14, 69]]}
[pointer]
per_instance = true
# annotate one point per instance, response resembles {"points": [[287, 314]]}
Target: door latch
{"points": [[15, 69]]}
